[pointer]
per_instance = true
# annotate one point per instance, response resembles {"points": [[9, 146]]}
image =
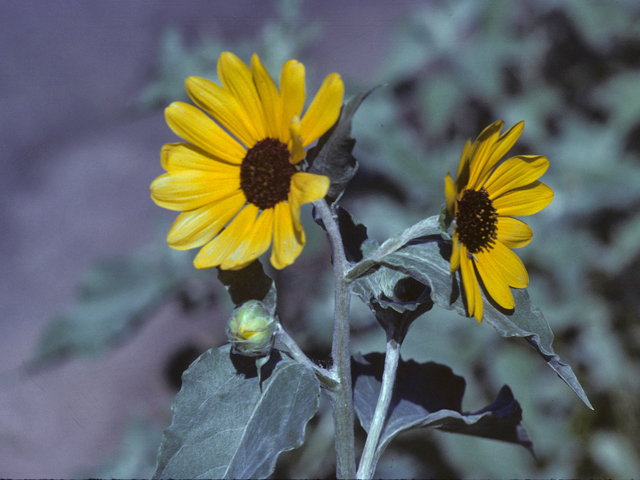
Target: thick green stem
{"points": [[342, 394], [372, 452]]}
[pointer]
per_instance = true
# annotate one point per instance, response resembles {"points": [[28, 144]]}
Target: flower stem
{"points": [[372, 452], [342, 394], [326, 377]]}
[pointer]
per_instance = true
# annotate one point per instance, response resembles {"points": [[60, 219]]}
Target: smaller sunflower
{"points": [[239, 182], [483, 201]]}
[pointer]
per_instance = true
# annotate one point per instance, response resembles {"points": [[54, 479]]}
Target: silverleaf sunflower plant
{"points": [[249, 160]]}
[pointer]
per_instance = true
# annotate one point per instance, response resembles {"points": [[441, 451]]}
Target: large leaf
{"points": [[429, 395], [422, 253], [332, 156], [228, 424], [395, 299]]}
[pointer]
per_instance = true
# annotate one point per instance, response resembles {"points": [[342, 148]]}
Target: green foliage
{"points": [[429, 395], [228, 424], [422, 253]]}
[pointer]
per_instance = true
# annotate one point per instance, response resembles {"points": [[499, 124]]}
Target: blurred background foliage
{"points": [[571, 70]]}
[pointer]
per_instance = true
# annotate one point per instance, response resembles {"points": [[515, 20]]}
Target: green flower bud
{"points": [[251, 329]]}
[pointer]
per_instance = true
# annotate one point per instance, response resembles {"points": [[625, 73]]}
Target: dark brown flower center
{"points": [[265, 173], [477, 220]]}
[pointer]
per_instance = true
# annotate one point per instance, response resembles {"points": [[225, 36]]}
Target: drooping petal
{"points": [[455, 254], [236, 77], [253, 244], [185, 156], [493, 279], [470, 285], [286, 247], [514, 173], [222, 105], [298, 231], [481, 152], [513, 233], [450, 195], [292, 93], [217, 250], [502, 146], [194, 228], [295, 144], [269, 96], [524, 200], [324, 109], [305, 188], [190, 189], [512, 268], [191, 124]]}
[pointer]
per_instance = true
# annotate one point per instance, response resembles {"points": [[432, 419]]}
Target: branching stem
{"points": [[372, 452], [342, 394], [326, 377]]}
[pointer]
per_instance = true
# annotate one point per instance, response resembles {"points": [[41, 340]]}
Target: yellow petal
{"points": [[236, 77], [524, 200], [253, 244], [308, 187], [514, 173], [324, 109], [462, 177], [292, 94], [286, 247], [450, 195], [502, 146], [493, 279], [185, 156], [222, 105], [191, 124], [512, 268], [471, 286], [216, 251], [481, 153], [190, 189], [455, 254], [295, 144], [269, 97], [305, 188], [194, 228], [513, 233]]}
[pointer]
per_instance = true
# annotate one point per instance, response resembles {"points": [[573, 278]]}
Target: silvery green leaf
{"points": [[332, 156], [421, 252], [250, 283], [427, 260], [428, 226], [429, 395], [228, 424], [395, 299]]}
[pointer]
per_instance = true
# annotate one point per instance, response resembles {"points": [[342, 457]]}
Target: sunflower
{"points": [[239, 182], [483, 200]]}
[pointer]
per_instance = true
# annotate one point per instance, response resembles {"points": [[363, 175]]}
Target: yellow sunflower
{"points": [[238, 182], [483, 200]]}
